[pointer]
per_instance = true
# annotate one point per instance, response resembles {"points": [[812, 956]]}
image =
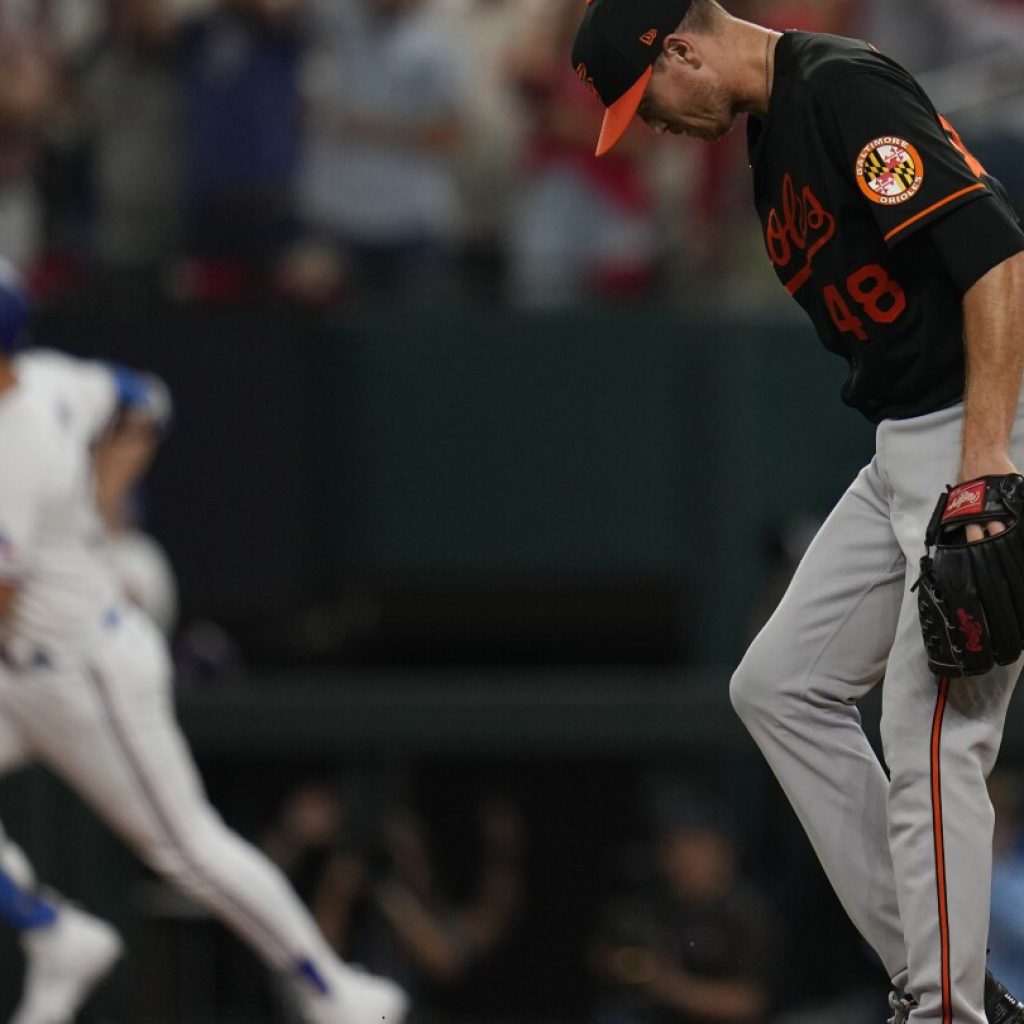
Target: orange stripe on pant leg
{"points": [[940, 853]]}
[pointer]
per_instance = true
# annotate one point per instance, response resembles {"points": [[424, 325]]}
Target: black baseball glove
{"points": [[970, 596]]}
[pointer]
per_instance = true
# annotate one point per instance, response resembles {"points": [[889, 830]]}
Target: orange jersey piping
{"points": [[931, 209]]}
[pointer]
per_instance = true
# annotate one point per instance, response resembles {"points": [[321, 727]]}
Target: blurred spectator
{"points": [[1006, 928], [582, 228], [489, 156], [386, 99], [242, 113], [376, 893], [132, 104], [27, 94], [698, 943], [403, 925], [306, 831]]}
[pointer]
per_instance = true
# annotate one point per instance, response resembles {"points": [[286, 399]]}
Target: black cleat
{"points": [[1001, 1007]]}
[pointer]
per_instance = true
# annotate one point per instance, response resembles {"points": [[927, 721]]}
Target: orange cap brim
{"points": [[621, 112]]}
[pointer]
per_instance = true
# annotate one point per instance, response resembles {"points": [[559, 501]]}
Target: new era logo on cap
{"points": [[614, 53]]}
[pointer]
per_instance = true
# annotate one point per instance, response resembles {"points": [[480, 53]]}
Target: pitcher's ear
{"points": [[679, 47]]}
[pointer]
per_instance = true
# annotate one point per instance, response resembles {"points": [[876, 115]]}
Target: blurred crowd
{"points": [[688, 918], [371, 873], [355, 151], [677, 930], [683, 915]]}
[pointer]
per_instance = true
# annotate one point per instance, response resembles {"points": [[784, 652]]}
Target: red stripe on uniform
{"points": [[940, 852]]}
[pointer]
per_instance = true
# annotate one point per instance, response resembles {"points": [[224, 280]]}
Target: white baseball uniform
{"points": [[145, 574], [86, 688]]}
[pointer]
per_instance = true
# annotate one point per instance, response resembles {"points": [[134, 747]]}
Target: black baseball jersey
{"points": [[853, 172]]}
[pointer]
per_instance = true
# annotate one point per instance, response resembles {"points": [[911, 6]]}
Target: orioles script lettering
{"points": [[803, 227]]}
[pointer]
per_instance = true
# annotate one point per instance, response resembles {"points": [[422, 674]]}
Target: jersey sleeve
{"points": [[87, 388], [95, 395], [971, 240], [904, 160], [22, 494]]}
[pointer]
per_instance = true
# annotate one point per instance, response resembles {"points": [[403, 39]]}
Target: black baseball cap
{"points": [[614, 52]]}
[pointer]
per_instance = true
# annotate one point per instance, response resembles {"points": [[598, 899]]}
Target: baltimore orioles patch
{"points": [[889, 170]]}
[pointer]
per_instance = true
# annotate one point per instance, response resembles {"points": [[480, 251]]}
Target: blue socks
{"points": [[309, 971], [23, 909]]}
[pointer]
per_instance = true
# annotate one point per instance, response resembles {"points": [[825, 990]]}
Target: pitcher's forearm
{"points": [[994, 343]]}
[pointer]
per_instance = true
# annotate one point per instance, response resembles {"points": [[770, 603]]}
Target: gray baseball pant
{"points": [[909, 855]]}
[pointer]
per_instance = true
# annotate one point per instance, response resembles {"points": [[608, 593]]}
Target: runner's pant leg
{"points": [[110, 732]]}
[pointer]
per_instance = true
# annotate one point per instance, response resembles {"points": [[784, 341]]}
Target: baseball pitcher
{"points": [[909, 261]]}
